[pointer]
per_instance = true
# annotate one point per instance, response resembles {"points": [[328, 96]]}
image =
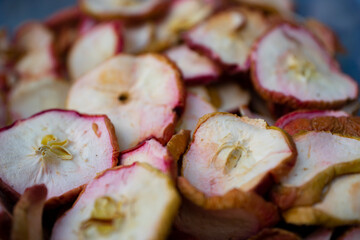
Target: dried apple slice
{"points": [[63, 17], [284, 7], [33, 36], [275, 234], [61, 149], [230, 152], [140, 94], [115, 205], [228, 36], [200, 91], [107, 38], [300, 74], [340, 206], [195, 68], [196, 107], [28, 97], [137, 39], [321, 157]]}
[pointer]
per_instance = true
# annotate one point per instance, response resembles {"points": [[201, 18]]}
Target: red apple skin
{"points": [[63, 16], [9, 196]]}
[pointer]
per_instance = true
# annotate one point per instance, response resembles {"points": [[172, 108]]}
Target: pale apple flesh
{"points": [[62, 149], [137, 39], [115, 205], [33, 36]]}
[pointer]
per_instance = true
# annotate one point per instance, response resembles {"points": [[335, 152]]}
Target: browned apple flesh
{"points": [[340, 205], [322, 156], [229, 152], [227, 37], [94, 47], [28, 97], [140, 94], [275, 234], [290, 67], [130, 202], [62, 149], [151, 152], [195, 68]]}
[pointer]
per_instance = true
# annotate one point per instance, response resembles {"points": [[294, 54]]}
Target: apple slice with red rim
{"points": [[28, 97], [83, 57], [62, 149], [340, 205], [195, 68], [116, 205], [322, 156], [228, 36], [142, 95], [298, 72]]}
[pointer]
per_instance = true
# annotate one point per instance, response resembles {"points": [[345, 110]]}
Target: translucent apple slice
{"points": [[115, 205], [228, 36], [137, 39], [229, 152], [195, 68], [140, 94], [321, 157], [83, 57], [298, 72], [128, 9], [196, 107], [33, 36], [275, 234], [340, 206], [28, 97], [62, 149]]}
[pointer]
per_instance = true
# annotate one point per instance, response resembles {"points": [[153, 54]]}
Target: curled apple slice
{"points": [[140, 94], [195, 68], [275, 234], [28, 97], [228, 36], [116, 205], [321, 157], [340, 206], [61, 149], [127, 9], [298, 72], [83, 57]]}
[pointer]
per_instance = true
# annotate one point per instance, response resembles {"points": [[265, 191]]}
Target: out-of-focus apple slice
{"points": [[3, 110], [325, 35], [228, 96], [28, 212], [228, 36], [140, 94], [95, 47], [33, 36], [86, 24], [352, 108], [195, 68], [63, 17], [115, 205], [322, 156], [340, 206], [151, 152], [351, 234], [298, 72], [196, 107], [246, 112], [32, 96], [62, 149], [200, 91], [5, 223], [320, 234], [284, 7], [127, 9], [230, 152], [275, 234], [137, 39]]}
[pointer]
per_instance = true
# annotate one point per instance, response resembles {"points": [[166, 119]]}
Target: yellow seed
{"points": [[45, 140]]}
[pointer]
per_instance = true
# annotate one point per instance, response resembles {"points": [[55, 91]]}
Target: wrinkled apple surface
{"points": [[139, 94], [95, 47], [229, 152], [322, 156], [290, 67], [131, 202], [61, 149]]}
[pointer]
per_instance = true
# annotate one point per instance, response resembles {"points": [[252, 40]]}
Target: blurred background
{"points": [[342, 15]]}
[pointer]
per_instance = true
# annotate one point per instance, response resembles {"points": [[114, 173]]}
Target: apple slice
{"points": [[351, 234], [228, 96], [116, 205], [227, 37], [62, 17], [3, 110], [86, 24], [195, 68], [200, 91], [140, 94], [284, 7], [62, 149], [137, 39], [28, 97], [246, 112], [229, 152], [107, 38], [5, 223], [275, 234], [340, 206], [298, 72], [196, 107], [352, 108], [33, 36], [322, 156], [321, 234]]}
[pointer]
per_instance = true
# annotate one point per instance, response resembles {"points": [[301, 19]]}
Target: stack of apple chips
{"points": [[177, 119]]}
